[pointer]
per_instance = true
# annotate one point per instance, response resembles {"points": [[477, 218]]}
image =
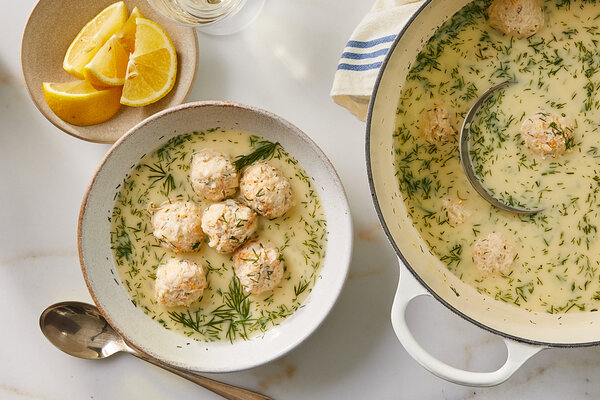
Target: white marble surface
{"points": [[283, 63]]}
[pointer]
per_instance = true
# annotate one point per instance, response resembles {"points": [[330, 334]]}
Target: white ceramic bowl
{"points": [[99, 267]]}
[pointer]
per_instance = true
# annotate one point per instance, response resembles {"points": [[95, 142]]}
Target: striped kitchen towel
{"points": [[364, 53]]}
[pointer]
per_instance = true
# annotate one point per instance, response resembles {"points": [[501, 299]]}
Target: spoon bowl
{"points": [[467, 163], [80, 330]]}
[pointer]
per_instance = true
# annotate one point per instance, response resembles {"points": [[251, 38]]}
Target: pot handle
{"points": [[408, 289]]}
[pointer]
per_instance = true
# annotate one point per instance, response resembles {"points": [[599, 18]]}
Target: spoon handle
{"points": [[222, 389]]}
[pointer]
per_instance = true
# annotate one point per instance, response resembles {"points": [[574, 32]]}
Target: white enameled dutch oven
{"points": [[525, 333], [98, 264]]}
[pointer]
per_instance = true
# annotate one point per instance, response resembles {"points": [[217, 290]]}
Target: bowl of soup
{"points": [[215, 236]]}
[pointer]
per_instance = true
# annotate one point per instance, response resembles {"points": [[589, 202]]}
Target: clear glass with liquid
{"points": [[216, 17]]}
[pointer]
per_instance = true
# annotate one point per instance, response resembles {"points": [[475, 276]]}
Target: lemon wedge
{"points": [[91, 38], [109, 65], [126, 34], [79, 103], [152, 67]]}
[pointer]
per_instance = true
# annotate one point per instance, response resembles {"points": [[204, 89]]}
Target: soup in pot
{"points": [[535, 144]]}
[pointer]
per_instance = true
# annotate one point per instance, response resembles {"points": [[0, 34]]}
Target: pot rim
{"points": [[384, 225]]}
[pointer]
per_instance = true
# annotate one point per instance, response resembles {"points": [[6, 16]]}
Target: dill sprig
{"points": [[300, 288], [233, 313], [160, 174], [197, 322], [264, 150], [121, 242], [454, 256]]}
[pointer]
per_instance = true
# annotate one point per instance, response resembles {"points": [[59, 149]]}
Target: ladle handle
{"points": [[222, 389], [408, 289]]}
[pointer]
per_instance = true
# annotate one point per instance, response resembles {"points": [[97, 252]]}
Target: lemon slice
{"points": [[109, 65], [93, 35], [152, 67], [79, 103]]}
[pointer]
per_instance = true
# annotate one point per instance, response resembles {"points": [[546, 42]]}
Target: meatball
{"points": [[455, 211], [258, 267], [493, 254], [178, 226], [547, 134], [179, 282], [213, 175], [228, 225], [266, 190], [519, 18], [436, 127]]}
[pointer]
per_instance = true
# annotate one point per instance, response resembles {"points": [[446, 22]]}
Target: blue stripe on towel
{"points": [[358, 56], [370, 43], [364, 67]]}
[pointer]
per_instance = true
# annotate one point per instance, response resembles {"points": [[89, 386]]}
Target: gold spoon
{"points": [[80, 330]]}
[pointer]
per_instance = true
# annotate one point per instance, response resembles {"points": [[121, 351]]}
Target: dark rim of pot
{"points": [[384, 224]]}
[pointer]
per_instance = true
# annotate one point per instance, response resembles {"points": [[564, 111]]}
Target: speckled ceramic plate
{"points": [[51, 28], [111, 296]]}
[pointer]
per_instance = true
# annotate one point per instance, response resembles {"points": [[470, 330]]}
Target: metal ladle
{"points": [[467, 163], [80, 330]]}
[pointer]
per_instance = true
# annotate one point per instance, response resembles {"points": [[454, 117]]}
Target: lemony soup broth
{"points": [[225, 311], [557, 251]]}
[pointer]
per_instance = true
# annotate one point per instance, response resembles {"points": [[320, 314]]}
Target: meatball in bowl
{"points": [[202, 224]]}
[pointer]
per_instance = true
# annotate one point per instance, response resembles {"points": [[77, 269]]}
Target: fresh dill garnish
{"points": [[233, 315], [454, 255], [300, 288], [263, 150], [160, 174], [197, 322], [121, 242], [235, 310]]}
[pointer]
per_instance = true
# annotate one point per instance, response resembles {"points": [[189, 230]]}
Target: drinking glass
{"points": [[215, 17]]}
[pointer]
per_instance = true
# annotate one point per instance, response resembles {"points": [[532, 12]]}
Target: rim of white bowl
{"points": [[344, 259]]}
